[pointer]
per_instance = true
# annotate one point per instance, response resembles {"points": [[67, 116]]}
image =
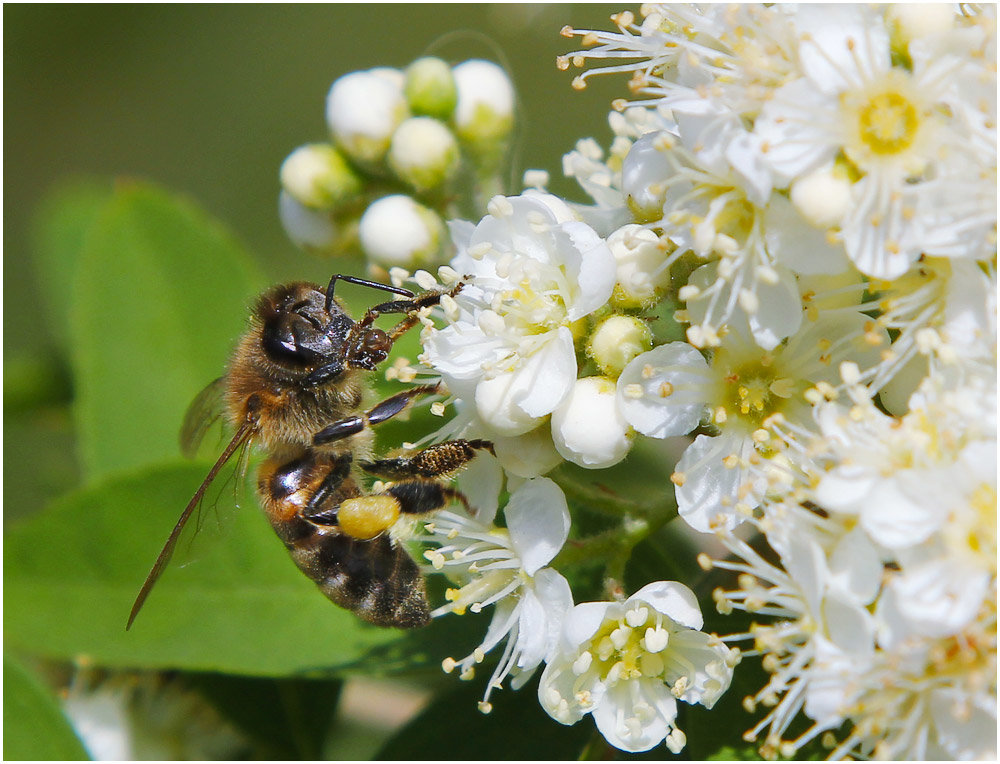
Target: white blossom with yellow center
{"points": [[531, 271], [628, 663], [669, 390], [505, 568], [902, 123]]}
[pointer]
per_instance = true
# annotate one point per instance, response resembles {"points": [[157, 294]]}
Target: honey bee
{"points": [[295, 385]]}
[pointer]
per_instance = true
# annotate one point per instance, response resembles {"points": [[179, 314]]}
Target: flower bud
{"points": [[363, 109], [423, 153], [484, 113], [822, 197], [528, 455], [318, 176], [310, 229], [641, 269], [909, 21], [396, 231], [616, 341], [588, 429], [430, 88]]}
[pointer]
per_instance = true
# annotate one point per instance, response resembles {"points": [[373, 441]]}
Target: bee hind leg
{"points": [[439, 460]]}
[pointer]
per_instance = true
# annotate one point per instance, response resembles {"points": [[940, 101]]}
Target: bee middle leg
{"points": [[387, 409]]}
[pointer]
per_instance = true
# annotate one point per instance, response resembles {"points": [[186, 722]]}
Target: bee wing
{"points": [[242, 437], [205, 410]]}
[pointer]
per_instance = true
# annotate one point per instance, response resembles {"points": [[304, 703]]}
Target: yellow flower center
{"points": [[888, 123]]}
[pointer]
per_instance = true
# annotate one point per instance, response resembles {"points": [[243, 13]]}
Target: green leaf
{"points": [[72, 572], [34, 725], [285, 718], [59, 229], [452, 727], [161, 296]]}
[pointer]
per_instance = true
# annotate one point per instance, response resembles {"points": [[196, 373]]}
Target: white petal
{"points": [[897, 518], [744, 154], [798, 137], [581, 623], [538, 522], [939, 598], [711, 491], [616, 716], [590, 266], [543, 608], [965, 733], [846, 488], [662, 411], [673, 599], [849, 625], [512, 403], [702, 661], [797, 245], [480, 481], [779, 314], [855, 566]]}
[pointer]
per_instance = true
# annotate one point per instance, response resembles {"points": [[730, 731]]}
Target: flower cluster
{"points": [[402, 142], [883, 602], [786, 268]]}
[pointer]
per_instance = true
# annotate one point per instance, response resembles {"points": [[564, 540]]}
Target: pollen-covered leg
{"points": [[439, 460]]}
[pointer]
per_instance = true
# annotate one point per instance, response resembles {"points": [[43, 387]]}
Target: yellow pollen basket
{"points": [[367, 516]]}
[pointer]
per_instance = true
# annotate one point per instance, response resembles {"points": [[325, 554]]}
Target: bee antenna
{"points": [[361, 282]]}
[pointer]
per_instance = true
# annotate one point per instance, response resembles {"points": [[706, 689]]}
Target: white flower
{"points": [[901, 130], [742, 391], [505, 567], [532, 272], [753, 240], [879, 616], [628, 663]]}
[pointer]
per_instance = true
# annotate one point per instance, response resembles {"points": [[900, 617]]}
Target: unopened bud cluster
{"points": [[401, 142]]}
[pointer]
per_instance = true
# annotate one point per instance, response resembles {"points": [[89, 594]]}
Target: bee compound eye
{"points": [[365, 517]]}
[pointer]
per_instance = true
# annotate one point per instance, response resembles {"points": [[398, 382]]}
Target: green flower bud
{"points": [[318, 176], [484, 115], [424, 153], [430, 88], [616, 341]]}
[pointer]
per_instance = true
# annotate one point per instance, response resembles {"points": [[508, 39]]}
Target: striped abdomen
{"points": [[375, 578]]}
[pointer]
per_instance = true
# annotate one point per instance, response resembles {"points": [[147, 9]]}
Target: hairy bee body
{"points": [[295, 385]]}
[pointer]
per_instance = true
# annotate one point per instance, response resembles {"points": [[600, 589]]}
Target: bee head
{"points": [[296, 329]]}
